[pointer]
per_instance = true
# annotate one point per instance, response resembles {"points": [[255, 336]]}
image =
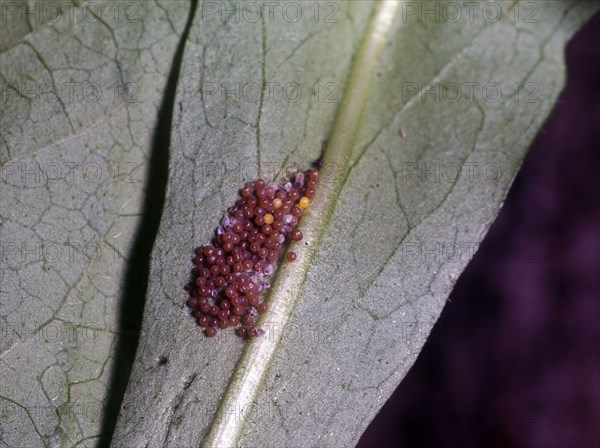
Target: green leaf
{"points": [[386, 240], [80, 92], [85, 96]]}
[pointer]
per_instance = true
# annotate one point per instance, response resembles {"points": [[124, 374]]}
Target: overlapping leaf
{"points": [[80, 89]]}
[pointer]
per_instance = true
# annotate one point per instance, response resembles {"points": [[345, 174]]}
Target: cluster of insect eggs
{"points": [[230, 277]]}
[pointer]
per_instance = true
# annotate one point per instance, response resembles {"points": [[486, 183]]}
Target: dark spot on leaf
{"points": [[188, 380]]}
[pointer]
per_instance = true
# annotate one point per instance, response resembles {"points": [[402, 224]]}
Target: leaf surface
{"points": [[397, 238], [448, 117], [80, 92]]}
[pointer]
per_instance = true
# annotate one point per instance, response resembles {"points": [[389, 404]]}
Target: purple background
{"points": [[513, 360]]}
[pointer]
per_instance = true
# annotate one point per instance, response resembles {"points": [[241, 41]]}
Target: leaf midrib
{"points": [[247, 377]]}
